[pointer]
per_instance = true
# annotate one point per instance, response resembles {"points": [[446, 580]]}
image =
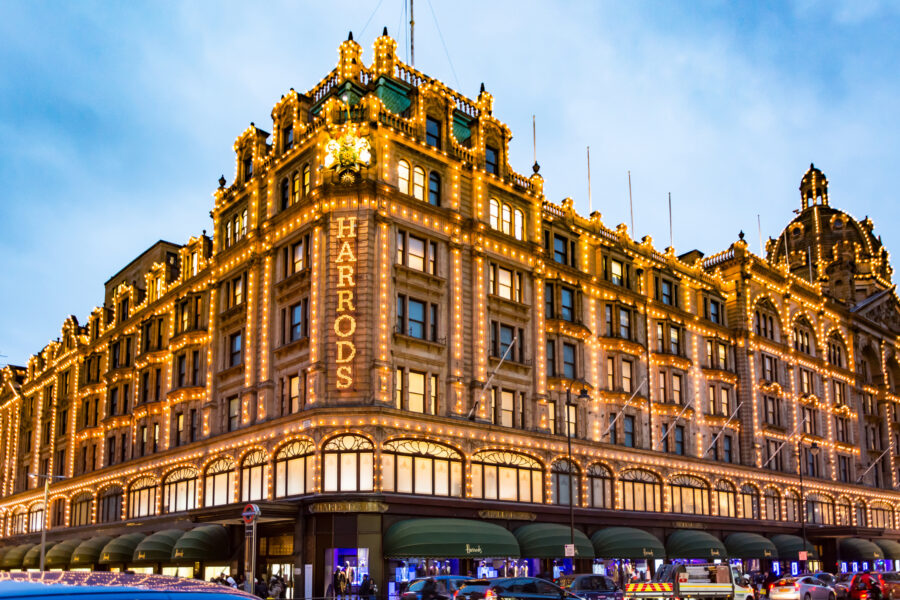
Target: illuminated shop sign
{"points": [[345, 314]]}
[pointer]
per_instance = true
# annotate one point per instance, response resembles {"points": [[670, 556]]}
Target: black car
{"points": [[438, 587], [513, 588], [592, 587]]}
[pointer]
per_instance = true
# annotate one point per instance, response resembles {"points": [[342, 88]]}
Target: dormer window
{"points": [[765, 321], [433, 132], [803, 338], [836, 352], [287, 137], [490, 160], [505, 218], [248, 167]]}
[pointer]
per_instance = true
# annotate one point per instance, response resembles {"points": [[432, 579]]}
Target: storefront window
{"points": [[749, 502], [18, 522], [819, 509], [180, 490], [81, 510], [421, 467], [792, 506], [882, 515], [499, 475], [600, 486], [689, 495], [111, 505], [726, 499], [254, 473], [565, 483], [861, 520], [773, 504], [295, 466], [218, 482], [640, 490], [36, 517], [142, 498], [348, 464], [842, 513]]}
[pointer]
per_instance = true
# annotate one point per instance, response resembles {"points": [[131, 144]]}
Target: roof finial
{"points": [[350, 37], [482, 87], [741, 235], [384, 31], [221, 181]]}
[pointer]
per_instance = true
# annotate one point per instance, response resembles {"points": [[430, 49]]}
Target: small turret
{"points": [[813, 188], [385, 48], [350, 59]]}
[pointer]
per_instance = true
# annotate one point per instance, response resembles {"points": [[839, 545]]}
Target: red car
{"points": [[861, 584]]}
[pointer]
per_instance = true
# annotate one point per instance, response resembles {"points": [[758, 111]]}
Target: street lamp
{"points": [[582, 395], [47, 479], [814, 450]]}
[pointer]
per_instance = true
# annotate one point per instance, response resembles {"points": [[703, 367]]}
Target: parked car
{"points": [[438, 587], [591, 587], [890, 584], [112, 586], [513, 588], [842, 586], [806, 587], [857, 588]]}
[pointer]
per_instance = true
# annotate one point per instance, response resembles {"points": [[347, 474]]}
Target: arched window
{"points": [[419, 183], [295, 188], [295, 466], [403, 176], [506, 219], [688, 495], [142, 498], [82, 506], [725, 499], [434, 189], [500, 475], [772, 501], [565, 483], [421, 467], [18, 520], [765, 320], [519, 225], [819, 509], [495, 213], [882, 515], [600, 488], [36, 517], [791, 506], [836, 350], [842, 513], [750, 502], [861, 519], [285, 193], [348, 464], [254, 476], [306, 180], [180, 490], [218, 483], [804, 338], [110, 505], [640, 490]]}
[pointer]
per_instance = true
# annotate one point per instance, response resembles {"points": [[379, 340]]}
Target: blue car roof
{"points": [[60, 584]]}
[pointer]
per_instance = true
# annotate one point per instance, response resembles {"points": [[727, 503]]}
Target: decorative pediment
{"points": [[882, 308]]}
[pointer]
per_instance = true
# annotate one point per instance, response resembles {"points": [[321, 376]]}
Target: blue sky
{"points": [[116, 118]]}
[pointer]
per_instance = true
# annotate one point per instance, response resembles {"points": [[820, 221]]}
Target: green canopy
{"points": [[59, 556], [205, 543], [690, 543], [121, 549], [448, 538], [889, 548], [32, 558], [157, 547], [14, 556], [547, 540], [88, 551], [626, 542], [857, 549], [3, 551], [790, 545], [750, 545]]}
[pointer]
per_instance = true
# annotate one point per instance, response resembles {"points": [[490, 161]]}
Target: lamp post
{"points": [[47, 479], [814, 450], [582, 395]]}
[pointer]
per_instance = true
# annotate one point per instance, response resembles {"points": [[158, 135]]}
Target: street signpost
{"points": [[569, 550], [250, 515]]}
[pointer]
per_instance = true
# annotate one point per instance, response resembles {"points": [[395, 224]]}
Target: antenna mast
{"points": [[412, 46], [631, 205], [759, 231], [534, 137], [671, 240], [590, 201]]}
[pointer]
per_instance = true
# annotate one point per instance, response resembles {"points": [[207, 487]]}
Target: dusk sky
{"points": [[117, 118]]}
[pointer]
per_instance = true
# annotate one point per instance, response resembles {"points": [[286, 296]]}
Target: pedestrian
{"points": [[366, 591], [261, 589]]}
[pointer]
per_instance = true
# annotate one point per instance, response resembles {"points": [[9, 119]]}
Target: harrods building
{"points": [[390, 326]]}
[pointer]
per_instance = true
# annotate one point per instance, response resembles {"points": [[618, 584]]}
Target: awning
{"points": [[627, 542], [690, 543], [88, 551], [857, 549], [750, 545], [59, 556], [157, 547], [448, 538], [32, 558], [14, 556], [3, 551], [789, 546], [548, 540], [202, 544], [889, 548], [120, 549]]}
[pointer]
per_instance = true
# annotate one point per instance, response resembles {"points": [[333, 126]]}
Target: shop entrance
{"points": [[344, 571]]}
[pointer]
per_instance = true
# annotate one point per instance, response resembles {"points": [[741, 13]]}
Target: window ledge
{"points": [[233, 311], [231, 370], [410, 272], [289, 347], [414, 341]]}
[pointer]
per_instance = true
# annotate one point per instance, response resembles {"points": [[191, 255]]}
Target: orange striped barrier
{"points": [[648, 587]]}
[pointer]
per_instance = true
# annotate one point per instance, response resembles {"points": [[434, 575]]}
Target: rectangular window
{"points": [[724, 402], [294, 393], [806, 381], [726, 449], [560, 249], [624, 323], [773, 410], [679, 439], [195, 367], [195, 424], [617, 272], [237, 291], [676, 388], [300, 255], [182, 369], [179, 428], [551, 358], [416, 393], [490, 160], [844, 469], [507, 408], [111, 450], [566, 304], [234, 349], [628, 431], [113, 402], [627, 366], [610, 373], [234, 413], [769, 368], [287, 137], [299, 320], [433, 132], [569, 370]]}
